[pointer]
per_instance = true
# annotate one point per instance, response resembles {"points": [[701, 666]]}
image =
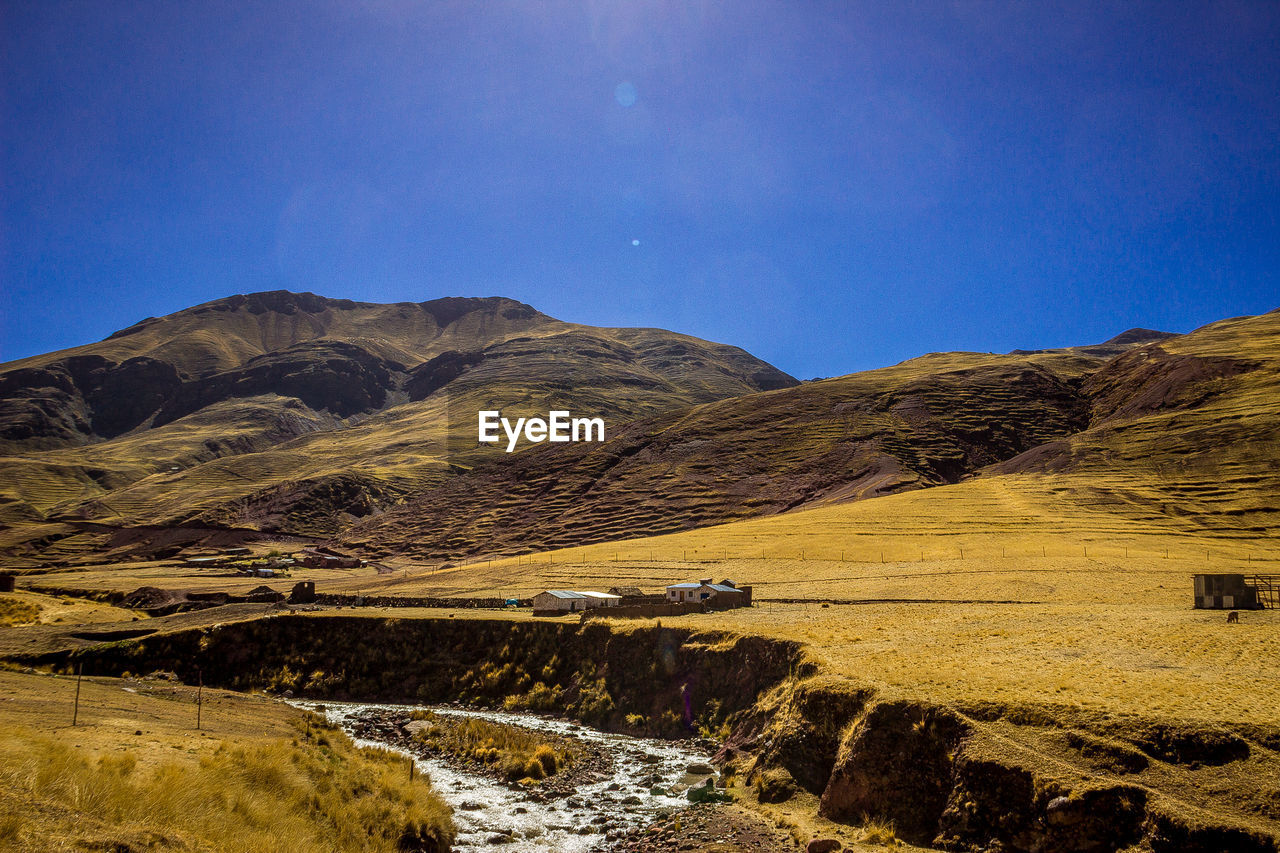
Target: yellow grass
{"points": [[260, 777], [16, 612], [516, 753], [54, 609]]}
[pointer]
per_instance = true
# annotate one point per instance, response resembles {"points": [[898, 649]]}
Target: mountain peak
{"points": [[1139, 336]]}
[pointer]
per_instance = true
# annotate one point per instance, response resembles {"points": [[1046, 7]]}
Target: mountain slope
{"points": [[1152, 426], [268, 397]]}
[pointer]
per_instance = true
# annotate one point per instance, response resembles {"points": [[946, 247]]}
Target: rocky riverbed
{"points": [[612, 796]]}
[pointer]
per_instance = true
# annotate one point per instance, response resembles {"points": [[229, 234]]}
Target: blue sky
{"points": [[833, 186]]}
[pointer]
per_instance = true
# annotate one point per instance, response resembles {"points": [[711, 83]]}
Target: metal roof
{"points": [[572, 593], [718, 587]]}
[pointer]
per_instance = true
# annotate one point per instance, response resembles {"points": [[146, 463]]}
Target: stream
{"points": [[487, 812]]}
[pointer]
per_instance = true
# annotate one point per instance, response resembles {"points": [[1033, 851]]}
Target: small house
{"points": [[556, 601], [703, 590]]}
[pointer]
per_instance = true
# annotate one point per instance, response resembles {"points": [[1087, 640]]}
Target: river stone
{"points": [[822, 845], [1063, 811], [700, 768]]}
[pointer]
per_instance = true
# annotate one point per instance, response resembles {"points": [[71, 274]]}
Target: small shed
{"points": [[6, 582], [1224, 592], [556, 601]]}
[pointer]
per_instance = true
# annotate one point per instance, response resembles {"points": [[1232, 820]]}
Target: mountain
{"points": [[1157, 424], [295, 411], [294, 414]]}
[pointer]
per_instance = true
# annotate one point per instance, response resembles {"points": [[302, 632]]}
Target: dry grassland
{"points": [[135, 774], [55, 609]]}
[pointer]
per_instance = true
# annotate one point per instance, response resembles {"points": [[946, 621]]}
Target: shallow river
{"points": [[488, 812]]}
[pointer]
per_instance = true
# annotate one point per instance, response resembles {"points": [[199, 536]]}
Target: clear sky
{"points": [[831, 185]]}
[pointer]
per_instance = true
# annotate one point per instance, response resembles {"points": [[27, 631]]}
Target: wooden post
{"points": [[199, 696], [75, 712], [410, 768]]}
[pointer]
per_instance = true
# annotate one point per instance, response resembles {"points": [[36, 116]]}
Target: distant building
{"points": [[705, 590], [314, 559], [6, 582], [555, 601], [1236, 592]]}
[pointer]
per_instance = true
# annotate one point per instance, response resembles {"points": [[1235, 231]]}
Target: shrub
{"points": [[546, 756]]}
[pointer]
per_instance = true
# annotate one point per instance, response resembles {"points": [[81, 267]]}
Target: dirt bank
{"points": [[1009, 778]]}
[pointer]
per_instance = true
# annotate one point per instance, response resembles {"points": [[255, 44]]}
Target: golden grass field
{"points": [[134, 773], [1110, 631]]}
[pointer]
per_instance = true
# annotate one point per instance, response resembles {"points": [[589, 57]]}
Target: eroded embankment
{"points": [[990, 778]]}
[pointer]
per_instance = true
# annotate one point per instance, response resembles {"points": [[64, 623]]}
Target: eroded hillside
{"points": [[283, 410]]}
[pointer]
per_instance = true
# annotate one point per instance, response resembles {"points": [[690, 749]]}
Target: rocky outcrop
{"points": [[896, 762], [341, 378]]}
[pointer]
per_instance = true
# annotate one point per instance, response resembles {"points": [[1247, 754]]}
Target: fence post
{"points": [[75, 712]]}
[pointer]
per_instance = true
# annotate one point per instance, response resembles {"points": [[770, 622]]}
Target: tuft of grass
{"points": [[15, 612], [283, 795], [879, 832]]}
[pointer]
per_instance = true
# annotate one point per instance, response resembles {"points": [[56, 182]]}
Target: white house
{"points": [[572, 600], [701, 591]]}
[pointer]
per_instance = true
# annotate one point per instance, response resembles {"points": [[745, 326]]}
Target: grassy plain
{"points": [[1095, 597]]}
